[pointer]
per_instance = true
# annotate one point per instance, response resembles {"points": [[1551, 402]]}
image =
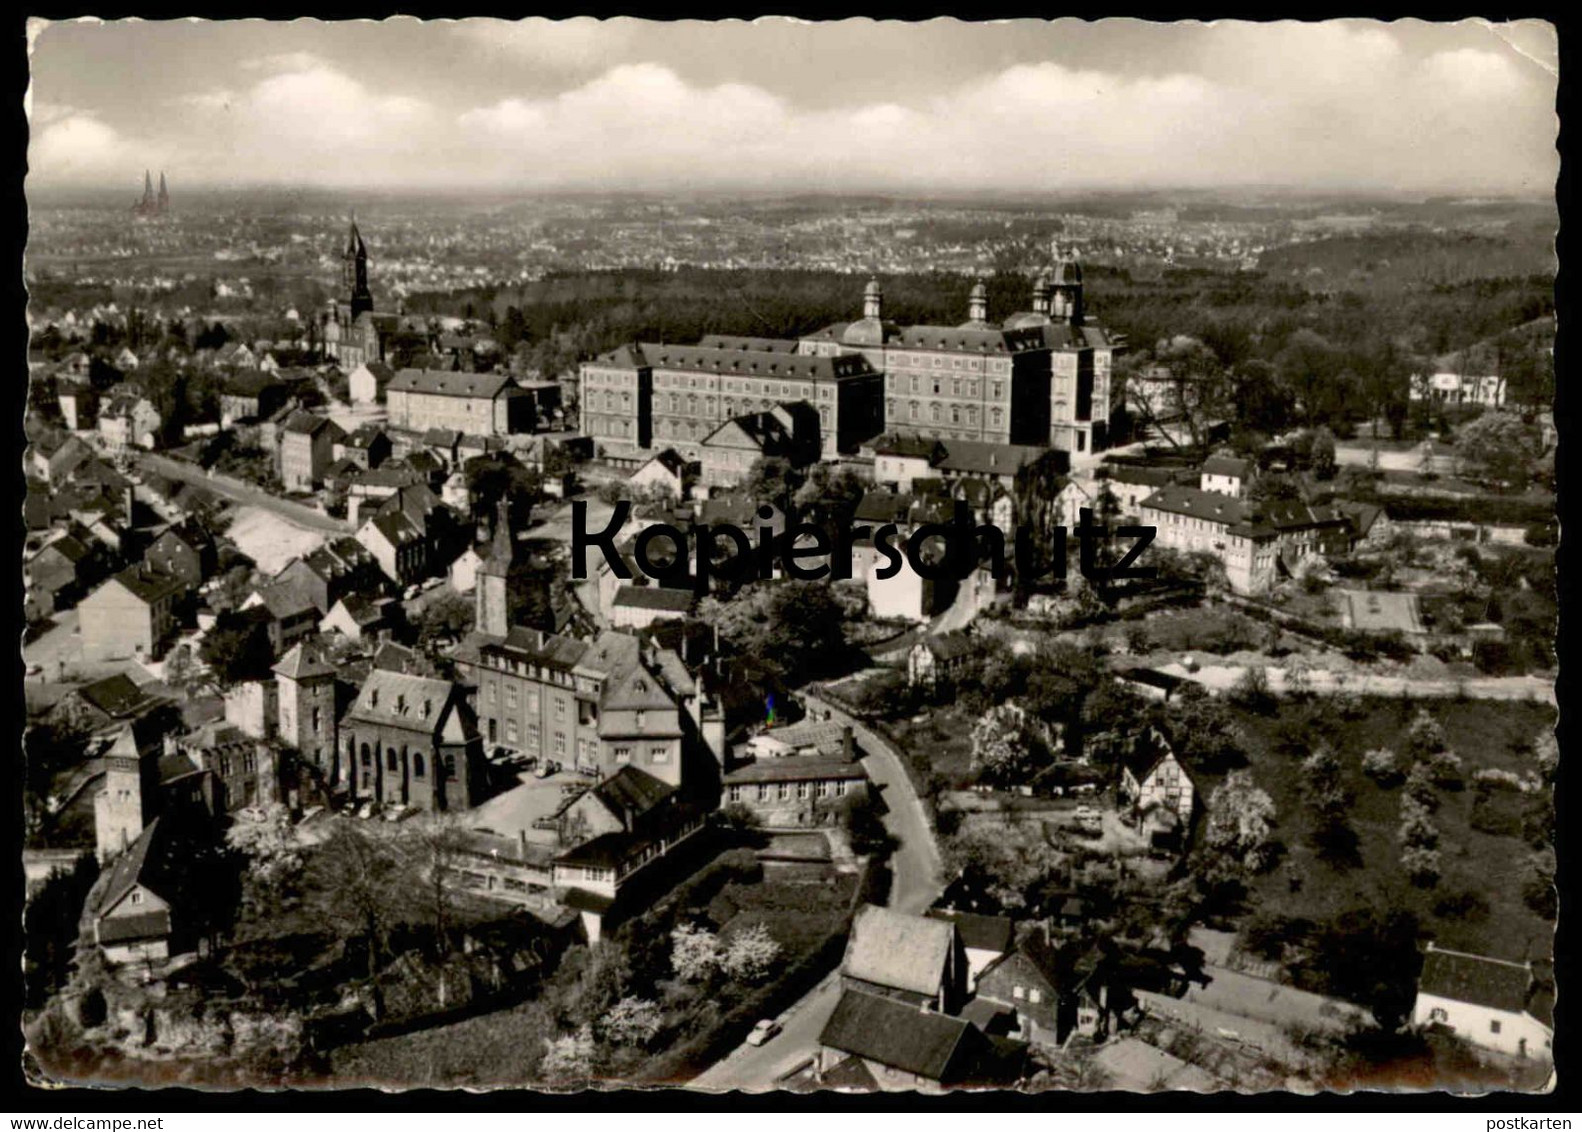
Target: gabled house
{"points": [[1052, 995], [666, 472], [354, 617], [902, 1049], [367, 382], [938, 658], [1226, 475], [291, 613], [634, 819], [367, 446], [984, 939], [398, 545], [61, 570], [637, 607], [129, 420], [130, 911], [1490, 1003], [913, 959], [56, 465], [335, 570], [307, 449], [186, 552], [249, 396], [131, 615], [1152, 777]]}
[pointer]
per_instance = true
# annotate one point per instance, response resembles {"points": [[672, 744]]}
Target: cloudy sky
{"points": [[941, 105]]}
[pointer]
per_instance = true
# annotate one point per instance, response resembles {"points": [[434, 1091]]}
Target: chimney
{"points": [[521, 843], [847, 747]]}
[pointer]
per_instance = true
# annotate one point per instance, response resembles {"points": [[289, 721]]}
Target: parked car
{"points": [[762, 1032]]}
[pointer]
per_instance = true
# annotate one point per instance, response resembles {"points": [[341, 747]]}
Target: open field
{"points": [[1477, 905], [269, 540]]}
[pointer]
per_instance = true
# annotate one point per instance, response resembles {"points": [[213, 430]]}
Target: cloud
{"points": [[1375, 119], [217, 99], [1324, 105], [578, 44], [287, 61], [79, 147]]}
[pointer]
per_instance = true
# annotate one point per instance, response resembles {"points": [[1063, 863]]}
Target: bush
{"points": [[1421, 865], [1445, 770], [1251, 692], [1379, 765]]}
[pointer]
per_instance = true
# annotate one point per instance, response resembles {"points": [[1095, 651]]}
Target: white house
{"points": [[1491, 1003], [367, 380], [1152, 776], [1225, 475], [666, 472], [1460, 389], [463, 573]]}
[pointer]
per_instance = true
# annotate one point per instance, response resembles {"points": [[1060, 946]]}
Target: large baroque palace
{"points": [[1040, 377]]}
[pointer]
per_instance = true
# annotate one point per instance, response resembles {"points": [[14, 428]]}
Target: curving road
{"points": [[916, 883]]}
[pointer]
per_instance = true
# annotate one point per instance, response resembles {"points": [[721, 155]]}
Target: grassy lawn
{"points": [[941, 742], [1496, 921], [502, 1048]]}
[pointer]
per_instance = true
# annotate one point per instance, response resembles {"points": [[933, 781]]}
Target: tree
{"points": [[1417, 829], [1000, 747], [1444, 768], [1034, 490], [694, 952], [1538, 889], [1421, 864], [1370, 956], [445, 620], [1420, 786], [1241, 821], [632, 1021], [805, 635], [749, 955], [440, 840], [773, 479], [1321, 783], [1379, 765], [358, 886], [1198, 391], [1274, 487], [236, 648], [1308, 367], [1498, 448], [1424, 736], [275, 860], [1322, 459], [568, 1057], [829, 496]]}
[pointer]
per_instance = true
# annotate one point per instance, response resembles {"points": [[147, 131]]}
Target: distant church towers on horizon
{"points": [[152, 206]]}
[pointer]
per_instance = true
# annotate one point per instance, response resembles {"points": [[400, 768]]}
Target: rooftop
{"points": [[892, 949], [1478, 979]]}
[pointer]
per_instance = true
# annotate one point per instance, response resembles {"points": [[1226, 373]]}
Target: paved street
{"points": [[916, 883], [257, 497]]}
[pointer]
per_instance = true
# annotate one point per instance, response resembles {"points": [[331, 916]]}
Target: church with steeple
{"points": [[151, 206], [354, 332]]}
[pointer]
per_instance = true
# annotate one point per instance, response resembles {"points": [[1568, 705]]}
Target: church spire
{"points": [[354, 271]]}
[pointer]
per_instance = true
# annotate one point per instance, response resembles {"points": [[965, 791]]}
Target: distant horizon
{"points": [[940, 107], [1250, 195]]}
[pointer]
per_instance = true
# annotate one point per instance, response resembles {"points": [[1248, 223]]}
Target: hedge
{"points": [[1484, 510]]}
